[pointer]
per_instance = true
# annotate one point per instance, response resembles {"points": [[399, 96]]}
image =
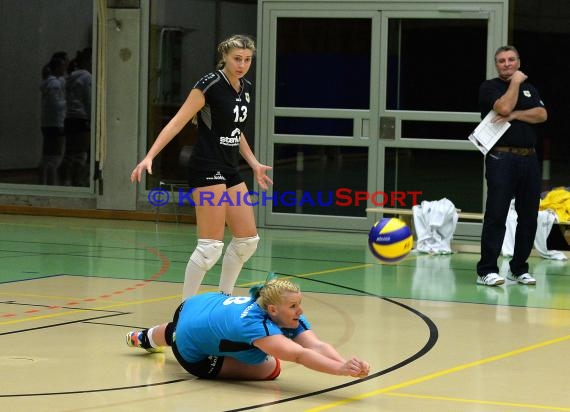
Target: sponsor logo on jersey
{"points": [[246, 311], [247, 97], [233, 140], [217, 176], [229, 141]]}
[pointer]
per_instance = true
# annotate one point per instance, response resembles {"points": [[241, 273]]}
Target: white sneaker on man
{"points": [[525, 278], [490, 279]]}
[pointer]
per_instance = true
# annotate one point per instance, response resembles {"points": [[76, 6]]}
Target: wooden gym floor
{"points": [[70, 289]]}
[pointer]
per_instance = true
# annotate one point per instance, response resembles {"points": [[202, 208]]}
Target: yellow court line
{"points": [[321, 272], [479, 402], [341, 269], [138, 302], [437, 374]]}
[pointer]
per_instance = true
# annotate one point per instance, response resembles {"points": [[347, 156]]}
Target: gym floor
{"points": [[71, 288]]}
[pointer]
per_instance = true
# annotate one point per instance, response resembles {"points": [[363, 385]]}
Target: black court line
{"points": [[89, 321], [433, 337], [53, 325], [119, 388], [163, 248], [40, 277], [87, 255], [109, 277]]}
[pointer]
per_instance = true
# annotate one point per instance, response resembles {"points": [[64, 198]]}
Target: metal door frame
{"points": [[367, 122]]}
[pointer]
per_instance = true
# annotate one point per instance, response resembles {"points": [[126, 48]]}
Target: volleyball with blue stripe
{"points": [[390, 240]]}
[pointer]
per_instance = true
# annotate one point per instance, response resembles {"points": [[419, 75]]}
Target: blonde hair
{"points": [[272, 292], [237, 41]]}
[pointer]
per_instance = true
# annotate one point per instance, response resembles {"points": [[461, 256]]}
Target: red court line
{"points": [[164, 267]]}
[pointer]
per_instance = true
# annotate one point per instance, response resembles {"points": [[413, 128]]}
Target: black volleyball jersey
{"points": [[220, 123]]}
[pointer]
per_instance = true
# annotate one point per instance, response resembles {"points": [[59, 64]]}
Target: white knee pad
{"points": [[207, 253], [243, 247]]}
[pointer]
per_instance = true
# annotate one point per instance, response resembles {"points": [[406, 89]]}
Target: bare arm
{"points": [[309, 340], [505, 104], [283, 348], [259, 170], [193, 104]]}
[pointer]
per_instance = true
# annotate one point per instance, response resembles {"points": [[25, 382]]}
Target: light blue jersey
{"points": [[220, 325]]}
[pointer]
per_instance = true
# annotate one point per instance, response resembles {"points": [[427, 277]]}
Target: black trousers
{"points": [[509, 176]]}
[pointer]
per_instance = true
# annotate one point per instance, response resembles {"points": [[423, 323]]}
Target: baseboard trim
{"points": [[96, 214]]}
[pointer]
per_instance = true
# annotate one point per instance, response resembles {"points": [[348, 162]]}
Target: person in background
{"points": [[220, 102], [215, 336], [53, 108], [75, 165], [511, 168]]}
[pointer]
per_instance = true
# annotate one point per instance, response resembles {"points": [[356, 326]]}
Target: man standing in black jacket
{"points": [[512, 169]]}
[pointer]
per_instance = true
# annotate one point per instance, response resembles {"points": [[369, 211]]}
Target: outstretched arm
{"points": [[283, 348], [259, 170], [309, 340], [193, 104]]}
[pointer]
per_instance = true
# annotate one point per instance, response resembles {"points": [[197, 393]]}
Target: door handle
{"points": [[387, 128]]}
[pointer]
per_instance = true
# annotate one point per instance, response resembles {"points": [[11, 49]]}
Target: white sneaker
{"points": [[525, 278], [490, 279]]}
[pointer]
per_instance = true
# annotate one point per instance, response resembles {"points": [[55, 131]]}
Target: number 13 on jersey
{"points": [[240, 113]]}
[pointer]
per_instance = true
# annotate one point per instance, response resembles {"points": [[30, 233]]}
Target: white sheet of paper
{"points": [[487, 133]]}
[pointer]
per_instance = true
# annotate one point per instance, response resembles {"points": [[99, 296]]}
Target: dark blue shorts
{"points": [[207, 368]]}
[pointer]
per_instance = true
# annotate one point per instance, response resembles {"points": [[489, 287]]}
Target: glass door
{"points": [[321, 116], [433, 63], [361, 103]]}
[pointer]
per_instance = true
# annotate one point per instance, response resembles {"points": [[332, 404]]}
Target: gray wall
{"points": [[30, 32], [30, 35]]}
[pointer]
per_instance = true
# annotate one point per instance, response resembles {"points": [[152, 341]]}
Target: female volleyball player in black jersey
{"points": [[221, 101]]}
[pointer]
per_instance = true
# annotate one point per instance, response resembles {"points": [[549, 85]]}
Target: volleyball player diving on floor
{"points": [[220, 102], [215, 336]]}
